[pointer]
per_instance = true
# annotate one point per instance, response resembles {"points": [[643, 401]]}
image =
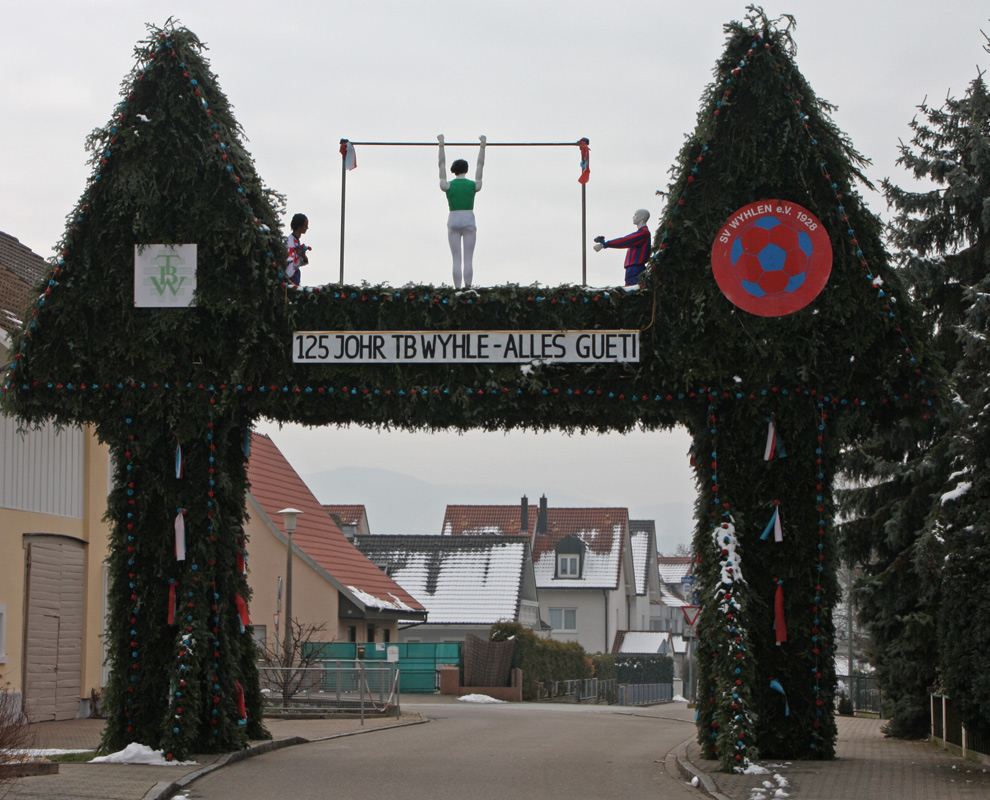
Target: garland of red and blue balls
{"points": [[819, 569], [725, 601]]}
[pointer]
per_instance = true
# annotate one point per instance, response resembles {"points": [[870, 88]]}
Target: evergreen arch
{"points": [[171, 168]]}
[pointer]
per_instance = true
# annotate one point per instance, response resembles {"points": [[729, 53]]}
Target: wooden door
{"points": [[53, 631]]}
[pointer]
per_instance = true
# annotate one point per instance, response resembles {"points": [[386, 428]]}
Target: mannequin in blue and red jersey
{"points": [[637, 245]]}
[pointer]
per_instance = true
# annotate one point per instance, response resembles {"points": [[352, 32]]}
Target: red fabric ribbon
{"points": [[779, 626], [242, 609], [239, 697]]}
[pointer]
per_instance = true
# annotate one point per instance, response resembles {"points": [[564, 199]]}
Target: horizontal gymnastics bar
{"points": [[463, 144]]}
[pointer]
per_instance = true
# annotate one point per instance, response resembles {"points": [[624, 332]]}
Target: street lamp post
{"points": [[289, 521]]}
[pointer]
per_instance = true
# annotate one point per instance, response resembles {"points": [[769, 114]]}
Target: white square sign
{"points": [[164, 275]]}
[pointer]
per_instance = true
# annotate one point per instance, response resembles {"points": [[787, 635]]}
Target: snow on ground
{"points": [[479, 698], [768, 791], [45, 752], [136, 753], [678, 699]]}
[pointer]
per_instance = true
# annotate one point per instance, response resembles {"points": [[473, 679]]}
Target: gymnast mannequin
{"points": [[461, 228]]}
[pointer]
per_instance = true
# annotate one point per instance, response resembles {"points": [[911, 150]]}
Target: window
{"points": [[3, 633], [260, 636], [568, 566], [386, 635], [563, 619], [371, 632]]}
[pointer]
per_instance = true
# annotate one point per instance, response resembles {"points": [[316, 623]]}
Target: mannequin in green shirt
{"points": [[461, 228]]}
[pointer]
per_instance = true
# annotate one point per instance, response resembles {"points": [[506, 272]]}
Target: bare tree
{"points": [[289, 674], [15, 736]]}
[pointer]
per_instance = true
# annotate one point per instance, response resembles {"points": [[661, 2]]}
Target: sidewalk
{"points": [[869, 766], [143, 782]]}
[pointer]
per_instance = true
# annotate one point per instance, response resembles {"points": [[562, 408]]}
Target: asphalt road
{"points": [[477, 752]]}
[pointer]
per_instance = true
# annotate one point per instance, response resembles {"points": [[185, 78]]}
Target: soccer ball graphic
{"points": [[771, 258]]}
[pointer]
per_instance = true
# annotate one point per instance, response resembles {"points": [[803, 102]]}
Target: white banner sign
{"points": [[164, 276], [462, 347]]}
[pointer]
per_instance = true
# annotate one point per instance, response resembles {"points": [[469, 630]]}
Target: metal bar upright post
{"points": [[584, 234], [343, 209]]}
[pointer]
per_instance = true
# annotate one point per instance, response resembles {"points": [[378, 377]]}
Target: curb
{"points": [[691, 772], [28, 769], [163, 790]]}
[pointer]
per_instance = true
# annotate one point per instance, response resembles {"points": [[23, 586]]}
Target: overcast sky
{"points": [[302, 75]]}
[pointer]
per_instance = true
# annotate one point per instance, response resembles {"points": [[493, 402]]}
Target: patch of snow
{"points": [[45, 752], [371, 601], [136, 753], [478, 698], [678, 699], [956, 493], [756, 769], [695, 781]]}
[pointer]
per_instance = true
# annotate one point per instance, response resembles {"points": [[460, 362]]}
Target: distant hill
{"points": [[401, 504]]}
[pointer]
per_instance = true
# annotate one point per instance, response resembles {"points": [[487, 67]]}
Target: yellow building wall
{"points": [[91, 530], [314, 599]]}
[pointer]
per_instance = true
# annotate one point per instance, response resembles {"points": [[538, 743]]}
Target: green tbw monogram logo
{"points": [[169, 274]]}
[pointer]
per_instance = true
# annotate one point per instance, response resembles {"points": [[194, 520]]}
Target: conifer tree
{"points": [[827, 373], [169, 168], [943, 235]]}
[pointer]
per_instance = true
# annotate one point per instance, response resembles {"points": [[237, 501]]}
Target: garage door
{"points": [[53, 628]]}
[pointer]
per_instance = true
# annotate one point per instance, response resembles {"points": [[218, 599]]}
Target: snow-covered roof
{"points": [[641, 533], [459, 579], [601, 530], [668, 598], [673, 568], [643, 642]]}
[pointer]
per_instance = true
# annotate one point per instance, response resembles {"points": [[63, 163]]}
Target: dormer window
{"points": [[568, 566], [570, 557]]}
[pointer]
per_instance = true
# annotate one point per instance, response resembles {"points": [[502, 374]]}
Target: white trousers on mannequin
{"points": [[462, 232]]}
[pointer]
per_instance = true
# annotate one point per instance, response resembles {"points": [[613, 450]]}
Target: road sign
{"points": [[691, 614]]}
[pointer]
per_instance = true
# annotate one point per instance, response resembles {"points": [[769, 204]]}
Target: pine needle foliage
{"points": [[923, 530]]}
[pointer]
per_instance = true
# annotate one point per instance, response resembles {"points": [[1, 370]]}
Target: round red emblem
{"points": [[772, 258]]}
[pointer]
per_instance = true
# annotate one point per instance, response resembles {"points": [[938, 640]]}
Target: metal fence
{"points": [[858, 693], [949, 731], [333, 686], [645, 694], [585, 690]]}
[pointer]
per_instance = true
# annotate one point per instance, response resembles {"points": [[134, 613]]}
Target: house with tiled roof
{"points": [[582, 560], [673, 572], [53, 539], [666, 613], [333, 582], [676, 592], [466, 583], [21, 271], [643, 543], [351, 519]]}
